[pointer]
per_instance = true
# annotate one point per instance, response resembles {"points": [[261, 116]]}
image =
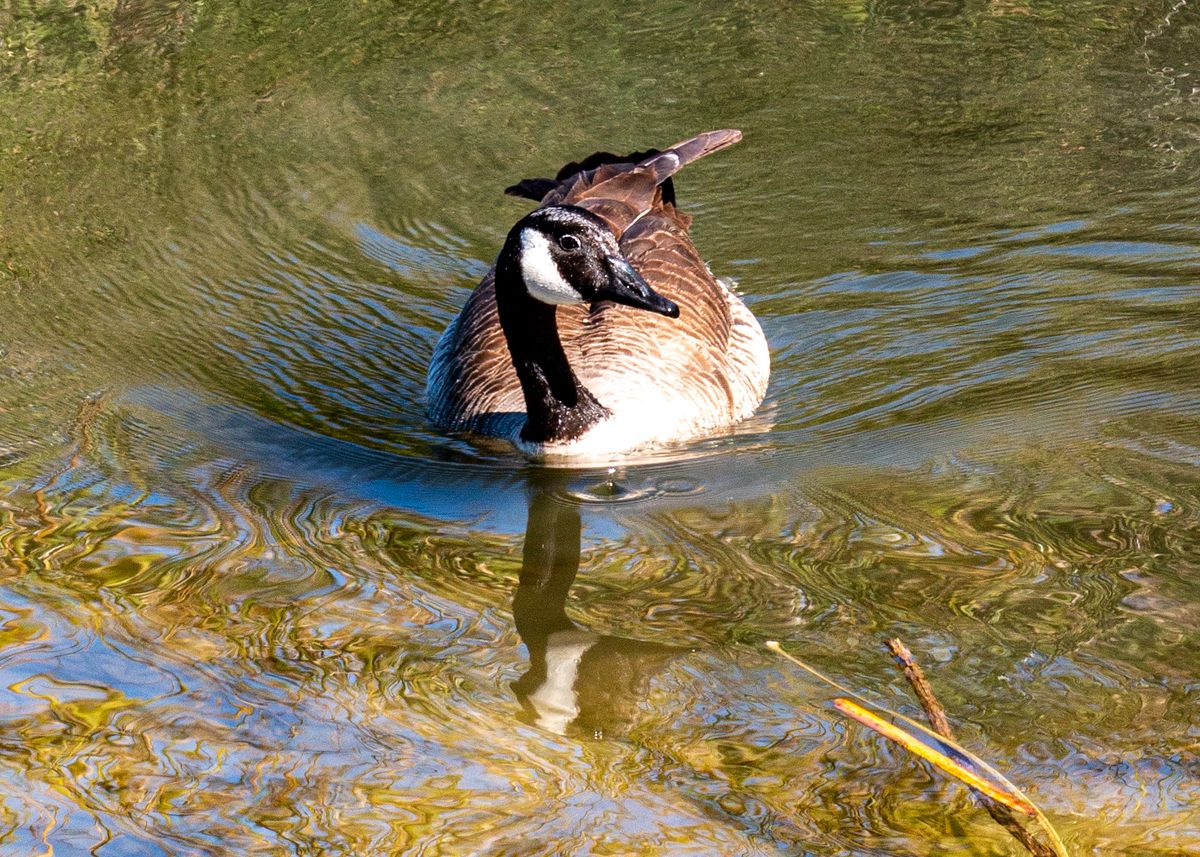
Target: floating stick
{"points": [[1000, 797]]}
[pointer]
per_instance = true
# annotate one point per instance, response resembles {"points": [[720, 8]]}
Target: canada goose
{"points": [[600, 330]]}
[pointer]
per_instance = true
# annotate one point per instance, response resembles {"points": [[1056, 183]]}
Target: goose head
{"points": [[567, 255]]}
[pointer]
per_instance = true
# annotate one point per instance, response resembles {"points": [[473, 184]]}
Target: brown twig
{"points": [[937, 719]]}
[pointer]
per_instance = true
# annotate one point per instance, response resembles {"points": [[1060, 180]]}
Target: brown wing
{"points": [[472, 384], [618, 342]]}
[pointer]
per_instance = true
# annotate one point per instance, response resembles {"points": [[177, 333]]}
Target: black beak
{"points": [[626, 286]]}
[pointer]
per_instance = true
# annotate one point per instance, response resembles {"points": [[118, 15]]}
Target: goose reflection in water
{"points": [[578, 680]]}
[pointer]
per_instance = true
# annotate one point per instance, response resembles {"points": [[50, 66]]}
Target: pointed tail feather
{"points": [[673, 159], [661, 165]]}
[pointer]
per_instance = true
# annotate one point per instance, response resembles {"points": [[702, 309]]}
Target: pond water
{"points": [[251, 602]]}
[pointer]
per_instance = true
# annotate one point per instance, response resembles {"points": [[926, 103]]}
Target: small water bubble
{"points": [[616, 486], [612, 488]]}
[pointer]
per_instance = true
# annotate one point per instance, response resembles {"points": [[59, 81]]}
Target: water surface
{"points": [[251, 602]]}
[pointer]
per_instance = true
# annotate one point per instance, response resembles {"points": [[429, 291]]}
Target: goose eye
{"points": [[568, 242]]}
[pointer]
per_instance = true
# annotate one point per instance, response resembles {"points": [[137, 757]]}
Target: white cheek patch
{"points": [[540, 272]]}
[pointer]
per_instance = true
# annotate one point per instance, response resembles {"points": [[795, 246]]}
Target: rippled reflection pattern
{"points": [[252, 603], [234, 661]]}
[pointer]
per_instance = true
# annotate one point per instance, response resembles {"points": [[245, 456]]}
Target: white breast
{"points": [[637, 422]]}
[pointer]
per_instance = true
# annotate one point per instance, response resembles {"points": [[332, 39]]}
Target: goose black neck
{"points": [[558, 408]]}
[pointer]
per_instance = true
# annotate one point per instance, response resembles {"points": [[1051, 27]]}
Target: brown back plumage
{"points": [[710, 363]]}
